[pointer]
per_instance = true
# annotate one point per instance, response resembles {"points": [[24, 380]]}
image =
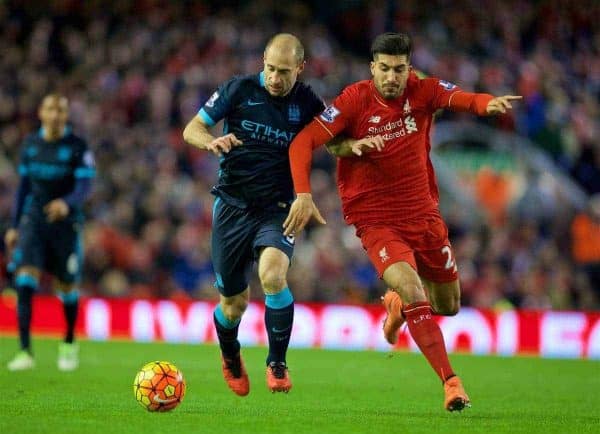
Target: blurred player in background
{"points": [[262, 113], [56, 169], [389, 192]]}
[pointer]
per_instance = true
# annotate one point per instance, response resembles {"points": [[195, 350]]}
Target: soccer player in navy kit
{"points": [[56, 169], [262, 113]]}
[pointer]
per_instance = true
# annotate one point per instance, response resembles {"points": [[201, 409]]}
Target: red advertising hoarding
{"points": [[545, 333]]}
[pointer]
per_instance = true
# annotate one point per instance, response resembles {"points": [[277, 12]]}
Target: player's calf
{"points": [[444, 297]]}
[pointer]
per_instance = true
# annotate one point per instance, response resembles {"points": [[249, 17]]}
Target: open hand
{"points": [[10, 239], [368, 144], [301, 211], [56, 210]]}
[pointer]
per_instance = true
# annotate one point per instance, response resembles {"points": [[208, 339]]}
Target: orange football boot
{"points": [[278, 378], [456, 398], [235, 375], [394, 319]]}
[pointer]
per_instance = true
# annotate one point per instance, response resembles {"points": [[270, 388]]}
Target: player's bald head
{"points": [[285, 43]]}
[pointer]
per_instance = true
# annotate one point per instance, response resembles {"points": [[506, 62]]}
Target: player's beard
{"points": [[278, 91], [391, 92]]}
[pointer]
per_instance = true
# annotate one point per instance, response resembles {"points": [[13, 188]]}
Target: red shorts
{"points": [[425, 246]]}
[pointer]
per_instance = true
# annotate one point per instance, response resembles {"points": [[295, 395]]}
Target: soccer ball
{"points": [[159, 386]]}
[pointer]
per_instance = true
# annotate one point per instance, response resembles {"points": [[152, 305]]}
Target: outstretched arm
{"points": [[501, 104], [301, 149], [481, 104]]}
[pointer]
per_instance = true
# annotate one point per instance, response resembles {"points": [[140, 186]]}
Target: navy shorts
{"points": [[52, 247], [238, 235]]}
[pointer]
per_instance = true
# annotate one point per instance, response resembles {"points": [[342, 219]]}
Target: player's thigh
{"points": [[385, 246], [30, 251], [273, 266], [443, 296], [434, 255], [274, 251], [232, 255], [65, 252]]}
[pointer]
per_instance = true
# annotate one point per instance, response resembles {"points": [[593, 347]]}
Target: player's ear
{"points": [[372, 67], [301, 66]]}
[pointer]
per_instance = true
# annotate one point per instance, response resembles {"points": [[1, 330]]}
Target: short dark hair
{"points": [[395, 44]]}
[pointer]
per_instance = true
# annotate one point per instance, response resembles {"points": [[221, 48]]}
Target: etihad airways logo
{"points": [[267, 133]]}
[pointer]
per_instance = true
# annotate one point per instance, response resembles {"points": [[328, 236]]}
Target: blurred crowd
{"points": [[137, 71]]}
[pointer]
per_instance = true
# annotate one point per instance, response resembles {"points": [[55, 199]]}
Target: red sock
{"points": [[428, 336]]}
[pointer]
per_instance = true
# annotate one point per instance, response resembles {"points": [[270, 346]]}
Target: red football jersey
{"points": [[397, 184]]}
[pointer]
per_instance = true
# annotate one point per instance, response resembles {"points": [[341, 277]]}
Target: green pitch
{"points": [[334, 392]]}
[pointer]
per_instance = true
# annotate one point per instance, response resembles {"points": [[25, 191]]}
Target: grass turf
{"points": [[334, 392]]}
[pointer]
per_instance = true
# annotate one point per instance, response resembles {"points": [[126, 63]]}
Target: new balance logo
{"points": [[406, 107], [375, 119], [410, 124]]}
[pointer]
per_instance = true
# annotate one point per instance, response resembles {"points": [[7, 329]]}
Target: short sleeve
{"points": [[219, 104], [336, 117]]}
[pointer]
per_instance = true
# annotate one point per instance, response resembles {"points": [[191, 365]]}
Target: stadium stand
{"points": [[136, 71]]}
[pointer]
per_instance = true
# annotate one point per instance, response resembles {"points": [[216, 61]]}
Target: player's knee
{"points": [[447, 309], [411, 291], [234, 307], [63, 287], [69, 297], [272, 282], [26, 279]]}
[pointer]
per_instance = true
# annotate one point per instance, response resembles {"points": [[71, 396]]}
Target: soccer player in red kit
{"points": [[389, 192]]}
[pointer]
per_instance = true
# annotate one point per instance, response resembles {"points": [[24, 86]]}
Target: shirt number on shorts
{"points": [[450, 263]]}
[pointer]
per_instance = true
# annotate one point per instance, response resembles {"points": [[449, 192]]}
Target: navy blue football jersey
{"points": [[257, 173], [53, 167]]}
